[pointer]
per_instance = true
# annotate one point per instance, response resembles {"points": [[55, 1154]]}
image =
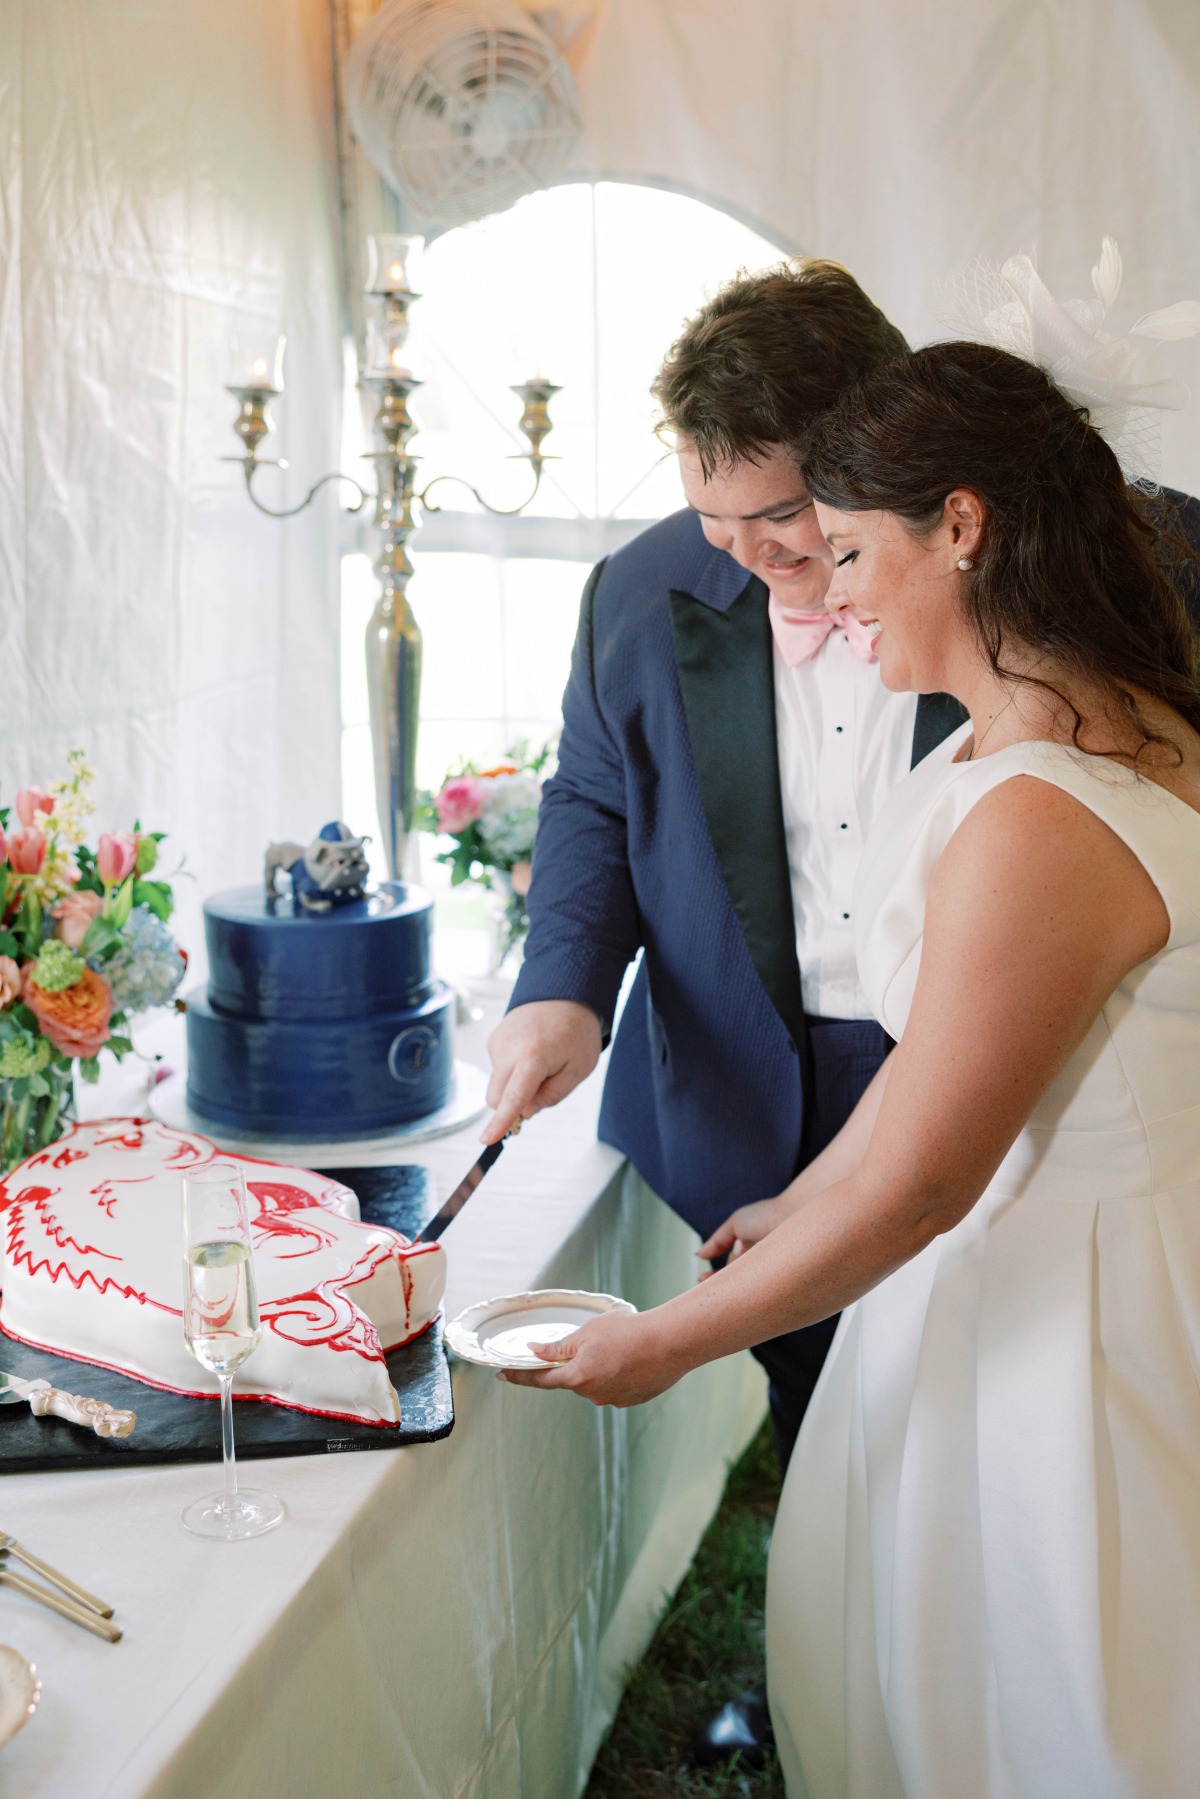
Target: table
{"points": [[450, 1621]]}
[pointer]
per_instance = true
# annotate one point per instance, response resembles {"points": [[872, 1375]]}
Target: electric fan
{"points": [[462, 105]]}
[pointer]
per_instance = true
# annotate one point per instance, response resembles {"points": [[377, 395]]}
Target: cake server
{"points": [[462, 1193], [43, 1400]]}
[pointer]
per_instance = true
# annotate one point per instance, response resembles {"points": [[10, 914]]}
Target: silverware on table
{"points": [[81, 1596], [77, 1614], [43, 1399]]}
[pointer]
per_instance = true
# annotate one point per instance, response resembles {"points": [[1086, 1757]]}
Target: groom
{"points": [[724, 751]]}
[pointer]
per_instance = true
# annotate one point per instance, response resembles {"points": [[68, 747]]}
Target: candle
{"points": [[386, 351], [391, 257], [256, 360]]}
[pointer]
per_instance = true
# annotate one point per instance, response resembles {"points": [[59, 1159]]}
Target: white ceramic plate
{"points": [[20, 1690], [498, 1333]]}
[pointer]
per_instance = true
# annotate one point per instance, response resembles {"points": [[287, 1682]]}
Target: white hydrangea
{"points": [[508, 823]]}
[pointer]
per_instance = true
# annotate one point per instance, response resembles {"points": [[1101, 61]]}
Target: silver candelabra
{"points": [[393, 642]]}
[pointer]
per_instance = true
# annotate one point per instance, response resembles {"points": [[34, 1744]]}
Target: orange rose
{"points": [[75, 1020], [501, 768]]}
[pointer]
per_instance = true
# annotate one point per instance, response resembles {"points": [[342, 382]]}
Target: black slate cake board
{"points": [[174, 1428]]}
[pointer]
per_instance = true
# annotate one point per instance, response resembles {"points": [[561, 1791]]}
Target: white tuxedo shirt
{"points": [[844, 742]]}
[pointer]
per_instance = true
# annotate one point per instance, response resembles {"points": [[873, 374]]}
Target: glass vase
{"points": [[509, 923], [28, 1122]]}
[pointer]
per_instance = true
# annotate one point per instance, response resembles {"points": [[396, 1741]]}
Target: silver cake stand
{"points": [[467, 1102]]}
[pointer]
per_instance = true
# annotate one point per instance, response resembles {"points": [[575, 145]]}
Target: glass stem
{"points": [[231, 1485]]}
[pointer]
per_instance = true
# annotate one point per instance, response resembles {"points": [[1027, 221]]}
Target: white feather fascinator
{"points": [[1012, 308]]}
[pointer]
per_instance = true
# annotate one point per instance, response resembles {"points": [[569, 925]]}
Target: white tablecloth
{"points": [[438, 1622]]}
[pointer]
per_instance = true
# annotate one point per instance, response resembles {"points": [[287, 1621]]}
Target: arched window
{"points": [[588, 285]]}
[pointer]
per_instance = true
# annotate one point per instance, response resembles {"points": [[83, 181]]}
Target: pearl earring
{"points": [[966, 562]]}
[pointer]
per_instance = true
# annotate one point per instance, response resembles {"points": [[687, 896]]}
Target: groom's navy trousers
{"points": [[662, 834]]}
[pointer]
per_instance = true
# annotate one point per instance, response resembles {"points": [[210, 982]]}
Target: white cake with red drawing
{"points": [[91, 1267]]}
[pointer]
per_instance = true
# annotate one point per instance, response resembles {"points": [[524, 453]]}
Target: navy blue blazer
{"points": [[662, 831]]}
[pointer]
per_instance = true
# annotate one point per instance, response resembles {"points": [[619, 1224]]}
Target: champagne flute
{"points": [[221, 1328]]}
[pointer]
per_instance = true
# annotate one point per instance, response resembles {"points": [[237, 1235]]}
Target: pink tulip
{"points": [[74, 914], [116, 855], [10, 982], [27, 851], [459, 803], [31, 801]]}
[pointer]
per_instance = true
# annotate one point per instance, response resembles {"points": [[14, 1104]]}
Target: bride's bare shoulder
{"points": [[1030, 857]]}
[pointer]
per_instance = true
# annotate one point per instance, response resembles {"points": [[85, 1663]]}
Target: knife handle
{"points": [[105, 1420], [99, 1627]]}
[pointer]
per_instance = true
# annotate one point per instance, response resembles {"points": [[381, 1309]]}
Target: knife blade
{"points": [[461, 1194], [13, 1389], [44, 1399]]}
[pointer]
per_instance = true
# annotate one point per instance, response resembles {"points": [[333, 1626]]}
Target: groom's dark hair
{"points": [[765, 356]]}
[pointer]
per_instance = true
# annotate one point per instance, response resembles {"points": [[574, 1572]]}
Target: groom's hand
{"points": [[740, 1232], [539, 1052]]}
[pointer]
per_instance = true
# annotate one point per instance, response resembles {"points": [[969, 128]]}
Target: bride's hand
{"points": [[740, 1232], [619, 1360]]}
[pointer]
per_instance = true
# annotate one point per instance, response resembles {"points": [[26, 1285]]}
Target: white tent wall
{"points": [[167, 172], [167, 176], [906, 137]]}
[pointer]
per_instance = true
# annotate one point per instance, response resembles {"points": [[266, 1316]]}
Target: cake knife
{"points": [[43, 1399], [462, 1193]]}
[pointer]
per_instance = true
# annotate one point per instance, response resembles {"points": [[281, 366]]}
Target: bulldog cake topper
{"points": [[331, 872]]}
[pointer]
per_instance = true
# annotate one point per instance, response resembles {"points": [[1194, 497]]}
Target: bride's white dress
{"points": [[985, 1576]]}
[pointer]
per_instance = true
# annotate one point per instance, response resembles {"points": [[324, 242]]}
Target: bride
{"points": [[985, 1577]]}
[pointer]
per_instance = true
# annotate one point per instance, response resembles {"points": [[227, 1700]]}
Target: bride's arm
{"points": [[1035, 913], [837, 1161]]}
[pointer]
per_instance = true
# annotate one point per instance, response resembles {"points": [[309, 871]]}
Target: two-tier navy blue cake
{"points": [[319, 1022]]}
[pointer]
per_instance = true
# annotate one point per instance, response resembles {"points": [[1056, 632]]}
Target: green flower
{"points": [[147, 854], [57, 967], [23, 1055]]}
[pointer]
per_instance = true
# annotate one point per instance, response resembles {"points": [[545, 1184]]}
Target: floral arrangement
{"points": [[83, 945], [491, 816]]}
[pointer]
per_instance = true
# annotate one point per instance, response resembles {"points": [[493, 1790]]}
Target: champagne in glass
{"points": [[221, 1328], [220, 1315]]}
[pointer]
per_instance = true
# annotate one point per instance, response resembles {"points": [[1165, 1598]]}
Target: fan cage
{"points": [[463, 108]]}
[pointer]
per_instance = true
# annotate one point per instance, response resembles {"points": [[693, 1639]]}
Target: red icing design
{"points": [[128, 1253], [271, 1221]]}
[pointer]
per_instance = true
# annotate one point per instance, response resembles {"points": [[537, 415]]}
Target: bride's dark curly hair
{"points": [[1071, 564]]}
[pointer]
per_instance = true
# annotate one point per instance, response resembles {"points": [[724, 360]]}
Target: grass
{"points": [[708, 1647]]}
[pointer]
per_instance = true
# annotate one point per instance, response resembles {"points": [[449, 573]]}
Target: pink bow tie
{"points": [[801, 634]]}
